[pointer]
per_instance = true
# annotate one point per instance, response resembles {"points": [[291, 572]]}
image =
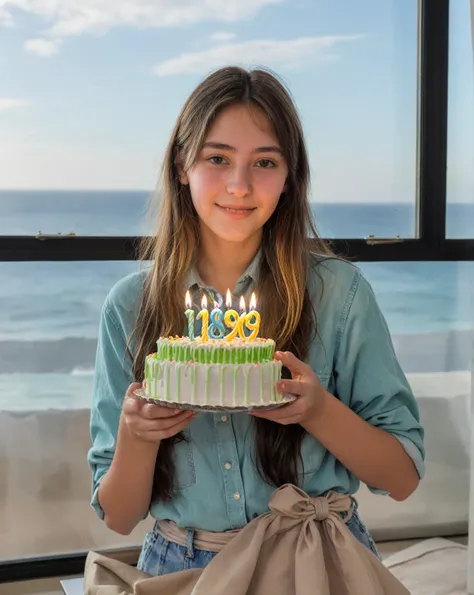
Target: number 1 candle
{"points": [[204, 314], [190, 316]]}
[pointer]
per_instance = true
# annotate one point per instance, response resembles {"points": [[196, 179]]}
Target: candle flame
{"points": [[242, 303], [188, 300], [204, 302], [216, 305], [253, 302], [228, 299]]}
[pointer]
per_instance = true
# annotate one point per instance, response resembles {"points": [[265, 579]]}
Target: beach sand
{"points": [[45, 485]]}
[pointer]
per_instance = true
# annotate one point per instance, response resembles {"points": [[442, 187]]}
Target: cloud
{"points": [[6, 19], [6, 103], [42, 47], [67, 18], [287, 53], [223, 36]]}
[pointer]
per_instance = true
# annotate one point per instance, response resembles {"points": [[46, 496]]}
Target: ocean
{"points": [[49, 311]]}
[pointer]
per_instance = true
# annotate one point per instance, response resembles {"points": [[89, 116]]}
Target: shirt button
{"points": [[237, 496], [224, 418], [228, 465]]}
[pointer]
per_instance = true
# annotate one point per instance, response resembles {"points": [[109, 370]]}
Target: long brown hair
{"points": [[288, 238]]}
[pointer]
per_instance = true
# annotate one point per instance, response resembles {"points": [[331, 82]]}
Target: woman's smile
{"points": [[236, 212]]}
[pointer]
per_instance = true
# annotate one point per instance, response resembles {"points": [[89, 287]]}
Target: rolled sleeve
{"points": [[112, 376], [369, 378]]}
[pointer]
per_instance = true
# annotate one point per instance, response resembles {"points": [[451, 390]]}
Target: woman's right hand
{"points": [[152, 423]]}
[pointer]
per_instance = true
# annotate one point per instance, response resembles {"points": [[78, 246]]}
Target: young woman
{"points": [[234, 213]]}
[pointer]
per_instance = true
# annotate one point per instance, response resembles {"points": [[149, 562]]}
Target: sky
{"points": [[90, 89]]}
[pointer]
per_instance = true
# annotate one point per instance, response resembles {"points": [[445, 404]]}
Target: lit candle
{"points": [[204, 314], [217, 328], [242, 317], [231, 318], [190, 316], [253, 326]]}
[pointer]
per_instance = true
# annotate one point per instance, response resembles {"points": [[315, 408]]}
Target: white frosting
{"points": [[214, 384]]}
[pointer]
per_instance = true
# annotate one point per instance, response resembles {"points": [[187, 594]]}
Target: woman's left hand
{"points": [[304, 383]]}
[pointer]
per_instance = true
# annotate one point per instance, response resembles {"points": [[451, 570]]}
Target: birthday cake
{"points": [[235, 373], [216, 370]]}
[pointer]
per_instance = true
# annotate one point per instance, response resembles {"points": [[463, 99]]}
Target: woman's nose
{"points": [[239, 183]]}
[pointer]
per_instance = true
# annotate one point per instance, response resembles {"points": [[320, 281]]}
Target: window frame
{"points": [[431, 245]]}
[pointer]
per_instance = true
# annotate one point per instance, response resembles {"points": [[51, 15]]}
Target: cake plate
{"points": [[287, 398]]}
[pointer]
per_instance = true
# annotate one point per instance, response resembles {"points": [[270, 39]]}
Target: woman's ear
{"points": [[183, 178]]}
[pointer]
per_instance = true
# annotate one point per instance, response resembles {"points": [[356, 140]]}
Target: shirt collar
{"points": [[251, 273]]}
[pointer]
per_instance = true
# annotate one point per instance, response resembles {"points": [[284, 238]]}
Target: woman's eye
{"points": [[266, 164], [216, 159]]}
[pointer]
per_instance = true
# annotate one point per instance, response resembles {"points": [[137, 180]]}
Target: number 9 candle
{"points": [[253, 326], [233, 320]]}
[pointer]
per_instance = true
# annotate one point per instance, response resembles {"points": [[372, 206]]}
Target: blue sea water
{"points": [[49, 311]]}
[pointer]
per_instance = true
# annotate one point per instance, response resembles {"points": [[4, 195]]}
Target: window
{"points": [[85, 112], [49, 322], [92, 112], [429, 308], [460, 174], [85, 213]]}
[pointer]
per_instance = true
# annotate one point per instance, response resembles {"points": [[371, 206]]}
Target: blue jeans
{"points": [[159, 556]]}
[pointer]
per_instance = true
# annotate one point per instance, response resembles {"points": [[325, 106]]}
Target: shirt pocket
{"points": [[185, 474]]}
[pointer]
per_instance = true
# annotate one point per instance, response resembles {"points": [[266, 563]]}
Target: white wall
{"points": [[45, 480]]}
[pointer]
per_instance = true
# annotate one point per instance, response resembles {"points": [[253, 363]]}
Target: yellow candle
{"points": [[242, 317], [233, 320], [204, 314], [253, 326]]}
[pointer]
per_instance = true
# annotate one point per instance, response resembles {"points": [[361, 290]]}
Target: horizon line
{"points": [[141, 190]]}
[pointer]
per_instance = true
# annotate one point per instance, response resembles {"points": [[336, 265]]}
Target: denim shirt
{"points": [[217, 486]]}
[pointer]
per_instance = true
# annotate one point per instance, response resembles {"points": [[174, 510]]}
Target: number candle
{"points": [[243, 315], [232, 319], [253, 326], [190, 316], [204, 314], [216, 328]]}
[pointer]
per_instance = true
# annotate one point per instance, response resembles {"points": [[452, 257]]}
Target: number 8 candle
{"points": [[216, 328], [204, 314]]}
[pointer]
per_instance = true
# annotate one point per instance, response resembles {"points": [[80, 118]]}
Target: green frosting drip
{"points": [[235, 389], [179, 385], [206, 382], [215, 351], [246, 389], [167, 395]]}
